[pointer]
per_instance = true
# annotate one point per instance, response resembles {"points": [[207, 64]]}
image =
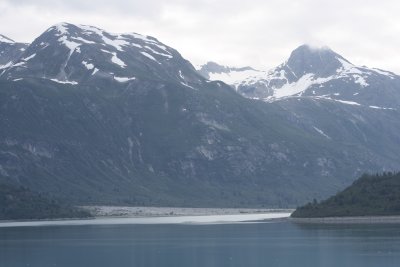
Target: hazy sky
{"points": [[260, 33]]}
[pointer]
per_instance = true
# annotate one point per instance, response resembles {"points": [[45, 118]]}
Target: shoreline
{"points": [[395, 219], [137, 212], [109, 215]]}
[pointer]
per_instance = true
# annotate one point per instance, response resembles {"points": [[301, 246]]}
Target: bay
{"points": [[262, 243]]}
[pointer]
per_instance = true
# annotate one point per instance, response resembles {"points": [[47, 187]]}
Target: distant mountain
{"points": [[229, 75], [370, 195], [320, 73], [97, 117], [324, 93], [10, 51]]}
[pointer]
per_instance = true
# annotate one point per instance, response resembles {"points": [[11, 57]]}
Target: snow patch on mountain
{"points": [[338, 100], [29, 57], [383, 108], [64, 82], [69, 44], [115, 59], [19, 64], [181, 75], [82, 40], [158, 53], [89, 66], [124, 79], [321, 132], [61, 28], [236, 76], [346, 65], [5, 66], [360, 80], [117, 43], [4, 39], [187, 85], [118, 61], [290, 89], [89, 30], [149, 56]]}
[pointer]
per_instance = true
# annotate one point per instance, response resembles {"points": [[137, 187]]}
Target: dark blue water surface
{"points": [[182, 245]]}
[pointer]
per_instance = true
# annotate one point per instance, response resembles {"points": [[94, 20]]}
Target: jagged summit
{"points": [[321, 61]]}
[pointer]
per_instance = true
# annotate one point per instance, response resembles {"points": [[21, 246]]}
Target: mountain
{"points": [[68, 53], [230, 75], [320, 73], [324, 92], [96, 117], [370, 195], [10, 51], [93, 117]]}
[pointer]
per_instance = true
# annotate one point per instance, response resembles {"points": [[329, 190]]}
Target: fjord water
{"points": [[240, 244]]}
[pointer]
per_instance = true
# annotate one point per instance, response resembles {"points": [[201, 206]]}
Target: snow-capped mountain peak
{"points": [[320, 61], [73, 35], [77, 53], [319, 72]]}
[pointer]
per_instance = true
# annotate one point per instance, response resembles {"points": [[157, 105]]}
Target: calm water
{"points": [[175, 245]]}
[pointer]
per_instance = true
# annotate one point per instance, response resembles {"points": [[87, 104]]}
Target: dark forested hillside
{"points": [[21, 203], [369, 195]]}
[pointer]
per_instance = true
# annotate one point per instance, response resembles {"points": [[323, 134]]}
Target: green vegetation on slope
{"points": [[18, 203], [369, 195]]}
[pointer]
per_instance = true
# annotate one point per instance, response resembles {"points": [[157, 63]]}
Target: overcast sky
{"points": [[260, 33]]}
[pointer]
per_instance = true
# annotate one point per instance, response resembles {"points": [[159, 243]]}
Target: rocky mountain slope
{"points": [[325, 93], [96, 117], [9, 51]]}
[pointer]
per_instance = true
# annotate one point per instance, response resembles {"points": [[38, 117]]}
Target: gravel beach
{"points": [[115, 211]]}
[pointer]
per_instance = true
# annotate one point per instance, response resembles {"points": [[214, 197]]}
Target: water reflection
{"points": [[280, 244]]}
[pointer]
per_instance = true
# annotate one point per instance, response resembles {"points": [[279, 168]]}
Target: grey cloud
{"points": [[253, 32]]}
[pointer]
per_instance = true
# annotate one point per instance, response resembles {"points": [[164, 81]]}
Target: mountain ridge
{"points": [[110, 56], [5, 39], [154, 132], [322, 73]]}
